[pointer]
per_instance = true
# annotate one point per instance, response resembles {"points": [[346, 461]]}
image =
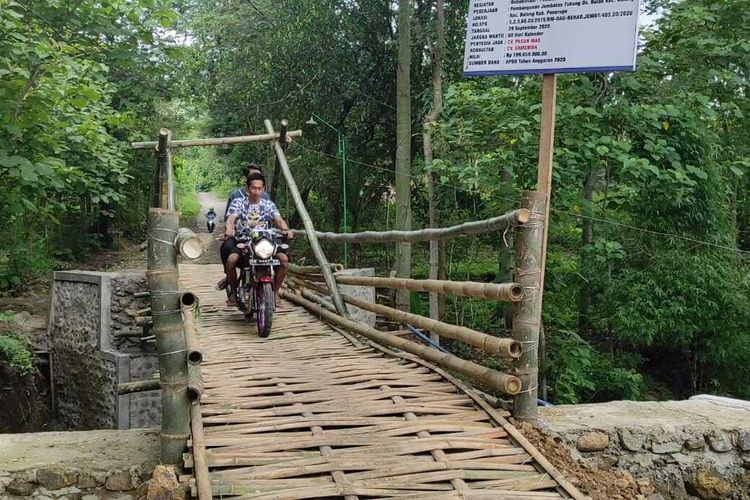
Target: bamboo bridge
{"points": [[327, 407]]}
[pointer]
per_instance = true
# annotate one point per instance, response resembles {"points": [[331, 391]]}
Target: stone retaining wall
{"points": [[78, 465], [687, 449], [96, 346]]}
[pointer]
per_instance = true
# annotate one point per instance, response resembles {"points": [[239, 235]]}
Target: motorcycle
{"points": [[256, 294], [211, 222]]}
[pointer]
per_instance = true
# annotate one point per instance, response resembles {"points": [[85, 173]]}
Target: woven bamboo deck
{"points": [[310, 413]]}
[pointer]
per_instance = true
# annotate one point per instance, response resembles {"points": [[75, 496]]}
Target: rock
{"points": [[709, 485], [645, 487], [593, 441], [656, 496], [56, 478], [608, 461], [164, 485], [142, 489], [743, 441], [720, 443], [621, 483], [666, 447], [631, 441], [120, 480], [20, 487], [87, 481], [696, 443]]}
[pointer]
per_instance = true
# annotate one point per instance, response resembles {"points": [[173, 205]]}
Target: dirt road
{"points": [[211, 241]]}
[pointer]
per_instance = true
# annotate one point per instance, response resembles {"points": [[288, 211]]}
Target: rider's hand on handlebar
{"points": [[288, 234]]}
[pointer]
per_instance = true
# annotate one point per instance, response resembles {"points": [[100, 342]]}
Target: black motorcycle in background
{"points": [[211, 220]]}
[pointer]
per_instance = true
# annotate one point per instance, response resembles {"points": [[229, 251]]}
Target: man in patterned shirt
{"points": [[246, 214]]}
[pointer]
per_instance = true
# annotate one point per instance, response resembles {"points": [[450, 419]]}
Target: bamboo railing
{"points": [[520, 216], [521, 350]]}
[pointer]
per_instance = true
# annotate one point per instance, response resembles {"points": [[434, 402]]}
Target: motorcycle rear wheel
{"points": [[266, 305]]}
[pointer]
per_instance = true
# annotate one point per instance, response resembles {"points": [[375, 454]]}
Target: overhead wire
{"points": [[552, 209]]}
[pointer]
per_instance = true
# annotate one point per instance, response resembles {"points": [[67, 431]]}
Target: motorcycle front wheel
{"points": [[266, 305]]}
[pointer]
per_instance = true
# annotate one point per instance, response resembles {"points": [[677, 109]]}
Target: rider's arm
{"points": [[229, 230], [281, 224]]}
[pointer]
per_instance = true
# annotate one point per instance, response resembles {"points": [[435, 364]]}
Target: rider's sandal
{"points": [[222, 284]]}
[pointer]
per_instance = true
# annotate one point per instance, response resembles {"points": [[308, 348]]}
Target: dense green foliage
{"points": [[16, 353], [647, 284], [77, 81]]}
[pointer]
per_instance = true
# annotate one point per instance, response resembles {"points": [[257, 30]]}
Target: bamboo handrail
{"points": [[200, 464], [217, 141], [506, 292], [520, 216], [508, 384], [508, 348], [139, 386]]}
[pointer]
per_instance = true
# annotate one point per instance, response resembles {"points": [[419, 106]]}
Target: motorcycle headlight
{"points": [[263, 249]]}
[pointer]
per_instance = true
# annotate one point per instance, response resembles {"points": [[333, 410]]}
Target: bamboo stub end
{"points": [[512, 385], [523, 216], [195, 357], [516, 292], [515, 350]]}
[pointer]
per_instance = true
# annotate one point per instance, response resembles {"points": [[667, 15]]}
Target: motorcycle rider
{"points": [[241, 193], [211, 220], [244, 215]]}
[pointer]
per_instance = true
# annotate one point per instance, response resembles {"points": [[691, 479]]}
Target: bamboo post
{"points": [[445, 233], [527, 314], [309, 227], [508, 384], [166, 171], [507, 348], [170, 339]]}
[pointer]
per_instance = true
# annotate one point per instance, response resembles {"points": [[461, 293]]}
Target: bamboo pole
{"points": [[309, 228], [139, 386], [500, 223], [188, 244], [200, 465], [505, 292], [170, 339], [527, 313], [508, 384], [188, 302], [293, 268], [507, 348], [219, 141]]}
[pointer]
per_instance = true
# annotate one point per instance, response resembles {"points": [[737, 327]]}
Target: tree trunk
{"points": [[587, 238], [403, 147], [430, 119]]}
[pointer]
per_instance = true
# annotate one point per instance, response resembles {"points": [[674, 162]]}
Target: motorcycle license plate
{"points": [[271, 262]]}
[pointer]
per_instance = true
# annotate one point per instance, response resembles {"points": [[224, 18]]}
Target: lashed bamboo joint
{"points": [[516, 217]]}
